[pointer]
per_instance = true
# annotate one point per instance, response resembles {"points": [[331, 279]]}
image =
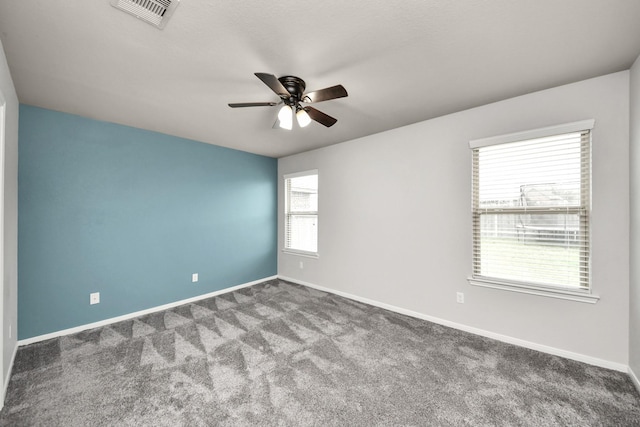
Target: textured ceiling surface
{"points": [[402, 61]]}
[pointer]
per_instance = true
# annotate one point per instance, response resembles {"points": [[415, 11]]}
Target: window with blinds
{"points": [[531, 205], [301, 212]]}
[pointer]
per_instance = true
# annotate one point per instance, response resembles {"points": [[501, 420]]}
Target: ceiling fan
{"points": [[290, 89]]}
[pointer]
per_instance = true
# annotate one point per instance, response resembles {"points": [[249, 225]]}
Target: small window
{"points": [[531, 207], [301, 212]]}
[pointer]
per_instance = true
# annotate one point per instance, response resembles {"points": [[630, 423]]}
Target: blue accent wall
{"points": [[132, 214]]}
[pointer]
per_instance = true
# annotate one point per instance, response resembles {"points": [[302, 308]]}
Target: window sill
{"points": [[301, 253], [566, 294]]}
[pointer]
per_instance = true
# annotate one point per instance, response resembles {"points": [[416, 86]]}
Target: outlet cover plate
{"points": [[94, 298]]}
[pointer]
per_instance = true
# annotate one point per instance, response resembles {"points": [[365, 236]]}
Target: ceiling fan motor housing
{"points": [[295, 86]]}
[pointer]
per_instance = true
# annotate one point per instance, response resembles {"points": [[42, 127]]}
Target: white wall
{"points": [[10, 279], [395, 223], [634, 297]]}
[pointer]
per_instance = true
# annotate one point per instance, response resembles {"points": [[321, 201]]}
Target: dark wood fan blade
{"points": [[273, 83], [253, 104], [320, 117], [332, 92]]}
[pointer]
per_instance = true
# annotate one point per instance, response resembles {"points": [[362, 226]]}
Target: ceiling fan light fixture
{"points": [[303, 118], [285, 117], [290, 89]]}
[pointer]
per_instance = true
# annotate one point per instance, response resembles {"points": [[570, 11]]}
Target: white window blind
{"points": [[531, 206], [301, 212]]}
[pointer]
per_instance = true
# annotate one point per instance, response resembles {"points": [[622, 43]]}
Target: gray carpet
{"points": [[280, 354]]}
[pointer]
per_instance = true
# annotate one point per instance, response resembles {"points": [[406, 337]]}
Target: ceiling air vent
{"points": [[154, 12]]}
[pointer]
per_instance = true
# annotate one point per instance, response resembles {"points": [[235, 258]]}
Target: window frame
{"points": [[287, 214], [567, 293]]}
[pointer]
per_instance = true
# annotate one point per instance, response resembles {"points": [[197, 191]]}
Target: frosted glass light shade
{"points": [[285, 116], [303, 118]]}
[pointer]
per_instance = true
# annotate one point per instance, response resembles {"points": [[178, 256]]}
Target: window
{"points": [[531, 206], [301, 212]]}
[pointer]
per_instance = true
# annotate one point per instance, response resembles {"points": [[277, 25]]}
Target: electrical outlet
{"points": [[460, 297], [301, 265], [194, 277], [94, 298]]}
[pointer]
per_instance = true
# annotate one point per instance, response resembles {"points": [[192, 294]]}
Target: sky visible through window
{"points": [[551, 162]]}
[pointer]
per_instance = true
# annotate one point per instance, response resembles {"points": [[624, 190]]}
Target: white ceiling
{"points": [[402, 61]]}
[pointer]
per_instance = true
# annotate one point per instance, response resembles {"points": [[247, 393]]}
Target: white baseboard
{"points": [[499, 337], [138, 313], [634, 379], [5, 386]]}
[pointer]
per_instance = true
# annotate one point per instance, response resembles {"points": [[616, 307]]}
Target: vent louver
{"points": [[154, 12]]}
